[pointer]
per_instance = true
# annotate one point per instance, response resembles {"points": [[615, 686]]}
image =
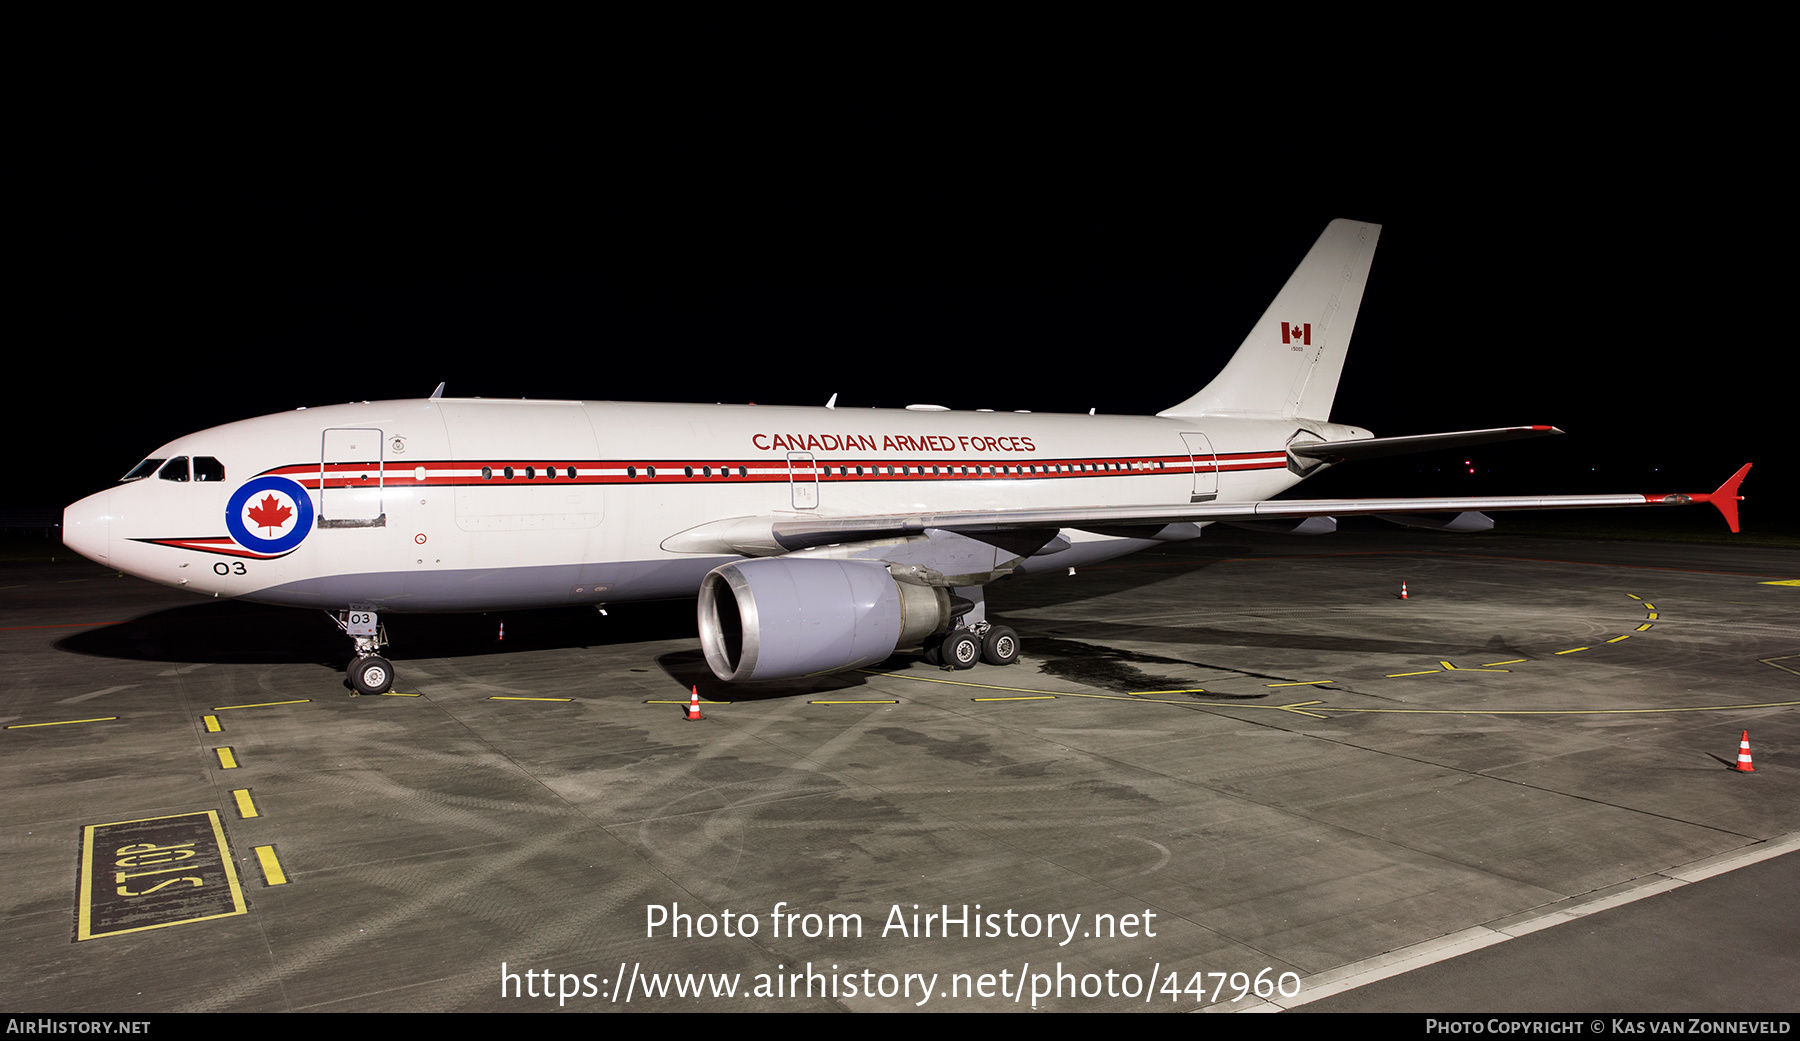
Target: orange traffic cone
{"points": [[1743, 763], [1403, 590], [693, 712]]}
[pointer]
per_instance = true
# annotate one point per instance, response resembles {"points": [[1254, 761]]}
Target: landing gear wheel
{"points": [[961, 650], [1000, 646], [371, 675]]}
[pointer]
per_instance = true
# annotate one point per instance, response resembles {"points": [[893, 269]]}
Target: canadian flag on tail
{"points": [[1297, 333]]}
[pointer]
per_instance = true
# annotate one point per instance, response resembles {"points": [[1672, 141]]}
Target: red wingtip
{"points": [[1726, 497]]}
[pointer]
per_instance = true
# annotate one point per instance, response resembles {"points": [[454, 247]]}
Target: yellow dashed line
{"points": [[262, 704], [1298, 707], [271, 867], [246, 808], [1458, 668], [1562, 712], [227, 761], [60, 723], [891, 701], [212, 724], [1783, 668], [499, 697]]}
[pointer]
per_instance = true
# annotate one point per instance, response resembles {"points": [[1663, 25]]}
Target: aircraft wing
{"points": [[772, 536]]}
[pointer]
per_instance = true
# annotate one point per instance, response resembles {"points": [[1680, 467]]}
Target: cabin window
{"points": [[142, 470], [508, 472], [631, 471], [571, 473], [689, 470], [487, 473], [206, 468], [650, 470], [175, 469], [531, 473]]}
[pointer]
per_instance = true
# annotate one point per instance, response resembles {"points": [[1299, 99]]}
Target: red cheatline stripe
{"points": [[616, 471]]}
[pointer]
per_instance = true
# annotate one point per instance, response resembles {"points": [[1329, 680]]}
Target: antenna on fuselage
{"points": [[832, 404], [439, 392]]}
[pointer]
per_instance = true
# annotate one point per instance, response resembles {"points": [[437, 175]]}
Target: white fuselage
{"points": [[476, 504]]}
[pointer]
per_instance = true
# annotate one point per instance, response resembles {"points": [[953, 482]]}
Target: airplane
{"points": [[818, 540]]}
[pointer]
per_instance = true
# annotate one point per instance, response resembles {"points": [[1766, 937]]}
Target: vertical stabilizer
{"points": [[1290, 363]]}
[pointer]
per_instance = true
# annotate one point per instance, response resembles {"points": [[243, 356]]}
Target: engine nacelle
{"points": [[785, 617]]}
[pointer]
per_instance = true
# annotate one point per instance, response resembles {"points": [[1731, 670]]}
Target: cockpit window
{"points": [[142, 470], [175, 469], [206, 468]]}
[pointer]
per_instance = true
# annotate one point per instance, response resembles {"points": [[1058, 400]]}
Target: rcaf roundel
{"points": [[269, 515]]}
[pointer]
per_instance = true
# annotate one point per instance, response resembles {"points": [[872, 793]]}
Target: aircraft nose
{"points": [[87, 526]]}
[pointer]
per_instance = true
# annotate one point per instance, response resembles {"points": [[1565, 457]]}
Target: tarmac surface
{"points": [[1226, 766]]}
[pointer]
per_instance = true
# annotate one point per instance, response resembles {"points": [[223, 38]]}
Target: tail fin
{"points": [[1290, 363]]}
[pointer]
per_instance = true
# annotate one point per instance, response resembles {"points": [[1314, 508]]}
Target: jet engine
{"points": [[777, 618]]}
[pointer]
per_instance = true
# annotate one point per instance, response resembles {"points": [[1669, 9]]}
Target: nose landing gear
{"points": [[369, 673]]}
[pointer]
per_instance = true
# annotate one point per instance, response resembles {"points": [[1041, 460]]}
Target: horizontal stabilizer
{"points": [[1377, 447]]}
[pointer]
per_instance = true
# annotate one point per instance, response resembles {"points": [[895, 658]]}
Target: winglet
{"points": [[1726, 497]]}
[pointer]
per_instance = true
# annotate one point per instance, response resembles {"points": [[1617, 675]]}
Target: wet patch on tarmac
{"points": [[1112, 668]]}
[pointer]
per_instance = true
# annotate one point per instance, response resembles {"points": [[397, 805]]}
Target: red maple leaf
{"points": [[269, 513]]}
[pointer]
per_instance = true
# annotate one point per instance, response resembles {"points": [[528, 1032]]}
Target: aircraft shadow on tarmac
{"points": [[238, 632], [234, 632]]}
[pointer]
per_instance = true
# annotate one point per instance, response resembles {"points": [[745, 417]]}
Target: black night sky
{"points": [[1633, 313]]}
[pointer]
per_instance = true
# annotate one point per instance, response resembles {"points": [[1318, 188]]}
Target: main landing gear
{"points": [[972, 637], [981, 641], [369, 673]]}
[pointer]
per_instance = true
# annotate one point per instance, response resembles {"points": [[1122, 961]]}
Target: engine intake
{"points": [[787, 617]]}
